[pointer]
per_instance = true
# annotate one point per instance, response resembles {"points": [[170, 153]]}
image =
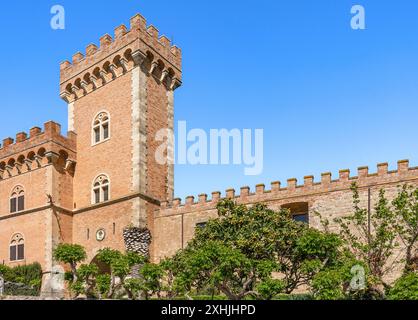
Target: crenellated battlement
{"points": [[364, 178], [28, 152], [140, 45]]}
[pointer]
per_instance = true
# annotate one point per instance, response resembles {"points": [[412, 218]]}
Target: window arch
{"points": [[101, 127], [17, 248], [17, 199], [101, 189]]}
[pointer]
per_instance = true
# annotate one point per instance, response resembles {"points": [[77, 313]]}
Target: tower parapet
{"points": [[27, 152], [141, 45]]}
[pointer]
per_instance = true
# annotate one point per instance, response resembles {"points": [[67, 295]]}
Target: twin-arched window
{"points": [[101, 189], [17, 248], [17, 200], [101, 128]]}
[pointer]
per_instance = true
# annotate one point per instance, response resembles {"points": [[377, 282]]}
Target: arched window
{"points": [[17, 200], [17, 248], [101, 128], [101, 189]]}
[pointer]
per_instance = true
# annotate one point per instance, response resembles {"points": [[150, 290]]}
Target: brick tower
{"points": [[119, 96]]}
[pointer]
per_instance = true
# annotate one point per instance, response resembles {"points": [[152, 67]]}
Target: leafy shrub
{"points": [[22, 280], [19, 289], [405, 288]]}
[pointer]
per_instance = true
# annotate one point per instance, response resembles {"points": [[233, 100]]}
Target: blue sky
{"points": [[327, 97]]}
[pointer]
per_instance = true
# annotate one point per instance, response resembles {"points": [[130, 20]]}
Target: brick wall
{"points": [[175, 223]]}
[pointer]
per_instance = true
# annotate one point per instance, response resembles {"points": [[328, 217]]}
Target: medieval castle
{"points": [[87, 186]]}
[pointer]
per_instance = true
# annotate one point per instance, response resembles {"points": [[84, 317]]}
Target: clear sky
{"points": [[327, 97]]}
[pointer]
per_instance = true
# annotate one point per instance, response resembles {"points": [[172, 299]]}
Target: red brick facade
{"points": [[129, 82]]}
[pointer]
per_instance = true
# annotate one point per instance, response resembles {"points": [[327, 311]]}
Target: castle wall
{"points": [[175, 223], [33, 228], [112, 218]]}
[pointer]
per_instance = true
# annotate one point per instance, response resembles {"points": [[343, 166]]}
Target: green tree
{"points": [[406, 211], [87, 274], [103, 285], [152, 279], [71, 254], [121, 267], [375, 244], [238, 253]]}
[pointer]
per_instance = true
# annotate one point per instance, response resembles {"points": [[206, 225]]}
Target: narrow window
{"points": [[21, 203], [97, 196], [17, 248], [13, 207], [101, 190], [101, 128], [105, 193], [13, 254], [97, 134], [20, 251], [106, 131], [17, 200]]}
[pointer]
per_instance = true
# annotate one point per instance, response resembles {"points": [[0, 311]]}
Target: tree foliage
{"points": [[255, 252], [71, 254], [239, 252], [371, 237], [406, 210], [405, 288], [29, 275]]}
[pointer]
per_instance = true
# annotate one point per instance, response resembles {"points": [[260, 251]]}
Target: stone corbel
{"points": [[52, 157], [9, 170], [38, 160], [124, 63], [113, 70], [86, 87], [175, 83], [154, 66], [78, 91], [103, 76], [18, 167], [138, 57], [67, 97], [96, 82], [69, 165], [28, 164], [164, 75]]}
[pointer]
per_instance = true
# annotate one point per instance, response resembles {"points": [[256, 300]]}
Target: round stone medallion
{"points": [[100, 235]]}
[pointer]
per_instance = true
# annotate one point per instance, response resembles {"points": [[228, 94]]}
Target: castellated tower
{"points": [[88, 186], [119, 96]]}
